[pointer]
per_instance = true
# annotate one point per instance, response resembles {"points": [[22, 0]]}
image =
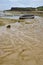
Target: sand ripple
{"points": [[22, 44]]}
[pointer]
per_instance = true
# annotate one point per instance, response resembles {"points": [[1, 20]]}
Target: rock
{"points": [[8, 26]]}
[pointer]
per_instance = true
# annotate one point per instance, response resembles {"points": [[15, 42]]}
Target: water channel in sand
{"points": [[22, 44], [11, 16]]}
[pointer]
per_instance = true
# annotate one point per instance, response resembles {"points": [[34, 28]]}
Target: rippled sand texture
{"points": [[22, 44]]}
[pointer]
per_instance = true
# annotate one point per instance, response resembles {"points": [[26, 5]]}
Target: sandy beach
{"points": [[22, 44]]}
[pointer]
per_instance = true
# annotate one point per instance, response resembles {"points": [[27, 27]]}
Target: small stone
{"points": [[8, 26]]}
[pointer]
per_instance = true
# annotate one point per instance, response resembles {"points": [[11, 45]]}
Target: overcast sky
{"points": [[7, 4]]}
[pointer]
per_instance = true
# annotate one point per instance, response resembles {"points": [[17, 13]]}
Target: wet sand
{"points": [[22, 44]]}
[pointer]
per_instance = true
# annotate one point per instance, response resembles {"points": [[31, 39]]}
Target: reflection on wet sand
{"points": [[22, 44]]}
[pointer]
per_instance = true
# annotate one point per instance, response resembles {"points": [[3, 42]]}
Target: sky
{"points": [[7, 4]]}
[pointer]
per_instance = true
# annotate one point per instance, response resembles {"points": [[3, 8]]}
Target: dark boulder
{"points": [[8, 26], [26, 17]]}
